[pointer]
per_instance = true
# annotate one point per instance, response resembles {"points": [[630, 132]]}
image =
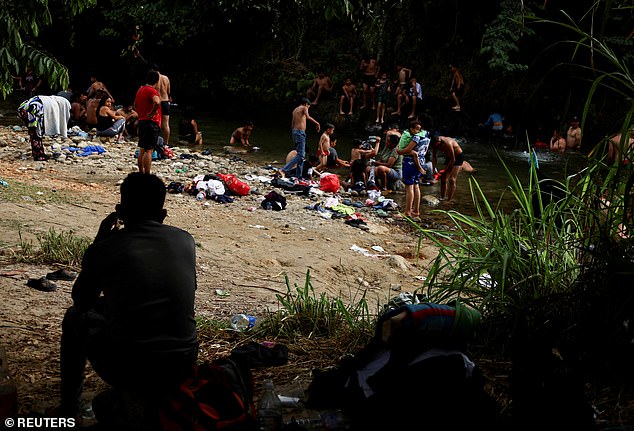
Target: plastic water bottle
{"points": [[242, 322], [269, 409], [201, 196]]}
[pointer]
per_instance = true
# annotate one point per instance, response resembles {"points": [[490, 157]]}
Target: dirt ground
{"points": [[243, 254]]}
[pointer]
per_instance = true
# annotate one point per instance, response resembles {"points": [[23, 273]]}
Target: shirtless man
{"points": [[370, 69], [454, 159], [557, 143], [321, 83], [164, 93], [403, 77], [349, 92], [573, 136], [242, 134], [298, 131], [91, 109], [618, 142], [95, 87], [457, 86], [78, 109]]}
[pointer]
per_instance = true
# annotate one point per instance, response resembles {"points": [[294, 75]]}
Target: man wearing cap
{"points": [[298, 131], [573, 136]]}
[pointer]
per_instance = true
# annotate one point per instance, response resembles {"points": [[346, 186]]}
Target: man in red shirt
{"points": [[148, 105]]}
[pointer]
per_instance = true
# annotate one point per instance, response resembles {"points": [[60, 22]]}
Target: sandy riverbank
{"points": [[243, 250]]}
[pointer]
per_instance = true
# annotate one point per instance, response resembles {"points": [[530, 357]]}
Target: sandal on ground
{"points": [[62, 274], [42, 284]]}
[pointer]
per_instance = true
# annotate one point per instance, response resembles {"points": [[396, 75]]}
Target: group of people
{"points": [[404, 92], [94, 110], [407, 156], [559, 142]]}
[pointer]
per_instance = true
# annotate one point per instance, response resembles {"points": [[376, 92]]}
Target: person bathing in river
{"points": [[188, 128], [242, 134], [454, 160]]}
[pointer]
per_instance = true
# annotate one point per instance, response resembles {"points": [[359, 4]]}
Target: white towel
{"points": [[56, 115]]}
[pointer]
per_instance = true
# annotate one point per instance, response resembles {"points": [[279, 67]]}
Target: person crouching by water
{"points": [[133, 302], [188, 128], [242, 134], [454, 159]]}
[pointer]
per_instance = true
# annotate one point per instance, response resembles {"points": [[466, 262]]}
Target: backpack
{"points": [[218, 396]]}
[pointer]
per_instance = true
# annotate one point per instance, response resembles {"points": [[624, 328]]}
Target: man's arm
{"points": [[389, 163], [451, 158], [156, 104], [375, 150], [311, 119], [406, 150]]}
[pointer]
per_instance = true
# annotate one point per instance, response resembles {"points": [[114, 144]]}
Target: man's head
{"points": [[435, 140], [152, 77], [415, 127], [142, 198], [304, 101], [329, 129], [392, 141]]}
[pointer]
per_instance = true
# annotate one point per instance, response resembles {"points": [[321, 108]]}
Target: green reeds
{"points": [[520, 268], [304, 313]]}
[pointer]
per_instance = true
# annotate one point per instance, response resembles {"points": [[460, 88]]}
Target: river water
{"points": [[272, 136]]}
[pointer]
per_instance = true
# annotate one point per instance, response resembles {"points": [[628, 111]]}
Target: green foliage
{"points": [[607, 69], [305, 314], [20, 25], [61, 248], [516, 267], [501, 40], [207, 325]]}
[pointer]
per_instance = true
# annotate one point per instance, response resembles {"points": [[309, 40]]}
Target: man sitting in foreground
{"points": [[133, 302]]}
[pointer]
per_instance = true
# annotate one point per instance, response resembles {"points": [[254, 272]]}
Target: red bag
{"points": [[329, 183], [236, 186]]}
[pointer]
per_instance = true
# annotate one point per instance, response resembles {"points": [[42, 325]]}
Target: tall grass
{"points": [[63, 248], [303, 313], [514, 267]]}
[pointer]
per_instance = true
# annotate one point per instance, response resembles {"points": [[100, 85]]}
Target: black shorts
{"points": [[459, 159], [148, 134], [369, 80], [458, 91], [165, 107]]}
